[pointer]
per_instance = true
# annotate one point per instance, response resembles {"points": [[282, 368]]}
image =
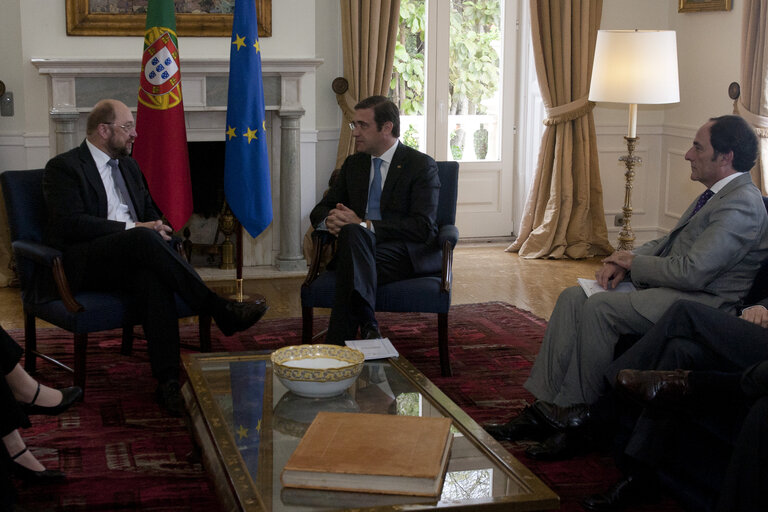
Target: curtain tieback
{"points": [[568, 112], [759, 123]]}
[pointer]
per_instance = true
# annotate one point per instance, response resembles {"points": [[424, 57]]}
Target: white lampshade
{"points": [[635, 66]]}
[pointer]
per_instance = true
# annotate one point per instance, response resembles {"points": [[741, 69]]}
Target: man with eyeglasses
{"points": [[383, 209], [103, 219]]}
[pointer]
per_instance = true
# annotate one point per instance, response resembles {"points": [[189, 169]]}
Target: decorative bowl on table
{"points": [[317, 371]]}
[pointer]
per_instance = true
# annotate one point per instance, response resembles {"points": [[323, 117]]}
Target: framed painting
{"points": [[197, 18], [703, 5]]}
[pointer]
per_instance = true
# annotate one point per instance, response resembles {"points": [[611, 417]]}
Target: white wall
{"points": [[708, 60]]}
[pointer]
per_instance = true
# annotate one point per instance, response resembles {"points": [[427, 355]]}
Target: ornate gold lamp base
{"points": [[626, 235]]}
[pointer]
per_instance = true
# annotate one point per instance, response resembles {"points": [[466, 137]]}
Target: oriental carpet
{"points": [[120, 452]]}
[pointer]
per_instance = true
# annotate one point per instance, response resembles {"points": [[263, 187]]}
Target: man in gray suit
{"points": [[711, 257]]}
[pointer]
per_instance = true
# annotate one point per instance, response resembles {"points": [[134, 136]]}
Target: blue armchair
{"points": [[422, 294], [45, 292]]}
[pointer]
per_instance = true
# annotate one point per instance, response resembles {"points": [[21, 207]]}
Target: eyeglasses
{"points": [[360, 125], [127, 127]]}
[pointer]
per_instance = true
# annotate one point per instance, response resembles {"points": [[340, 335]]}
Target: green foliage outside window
{"points": [[474, 62]]}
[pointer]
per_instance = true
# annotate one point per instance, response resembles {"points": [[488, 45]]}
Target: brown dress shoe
{"points": [[655, 388]]}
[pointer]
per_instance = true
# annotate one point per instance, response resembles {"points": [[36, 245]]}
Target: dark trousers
{"points": [[139, 262], [361, 265], [693, 336]]}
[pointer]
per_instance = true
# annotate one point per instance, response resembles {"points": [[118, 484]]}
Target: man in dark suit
{"points": [[102, 217], [383, 209]]}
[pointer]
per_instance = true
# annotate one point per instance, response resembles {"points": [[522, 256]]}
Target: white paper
{"points": [[591, 287], [377, 348]]}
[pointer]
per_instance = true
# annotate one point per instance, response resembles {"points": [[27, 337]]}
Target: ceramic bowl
{"points": [[317, 371]]}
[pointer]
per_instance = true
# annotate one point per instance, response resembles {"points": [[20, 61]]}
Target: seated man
{"points": [[711, 256], [103, 219], [383, 209], [666, 395]]}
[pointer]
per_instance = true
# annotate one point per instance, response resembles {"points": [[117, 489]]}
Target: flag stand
{"points": [[238, 296]]}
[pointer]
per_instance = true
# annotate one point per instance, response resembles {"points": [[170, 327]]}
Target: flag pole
{"points": [[239, 264]]}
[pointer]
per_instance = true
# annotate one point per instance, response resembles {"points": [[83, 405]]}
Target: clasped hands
{"points": [[614, 269], [340, 216], [157, 225]]}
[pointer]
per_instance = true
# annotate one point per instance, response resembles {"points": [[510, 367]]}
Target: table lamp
{"points": [[634, 67]]}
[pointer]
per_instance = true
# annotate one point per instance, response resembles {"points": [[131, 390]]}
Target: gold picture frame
{"points": [[703, 5], [82, 22]]}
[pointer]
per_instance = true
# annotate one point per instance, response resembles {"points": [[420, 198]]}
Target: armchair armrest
{"points": [[320, 239], [447, 237], [46, 256], [41, 254]]}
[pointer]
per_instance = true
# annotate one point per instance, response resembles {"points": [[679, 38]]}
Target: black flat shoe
{"points": [[233, 317], [46, 476], [68, 397], [168, 396], [526, 425]]}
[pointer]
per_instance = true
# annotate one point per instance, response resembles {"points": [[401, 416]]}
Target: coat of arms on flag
{"points": [[160, 70]]}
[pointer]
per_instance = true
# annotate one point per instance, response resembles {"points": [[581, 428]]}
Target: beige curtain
{"points": [[369, 32], [564, 215], [753, 101]]}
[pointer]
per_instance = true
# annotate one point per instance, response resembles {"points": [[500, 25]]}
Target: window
{"points": [[454, 80]]}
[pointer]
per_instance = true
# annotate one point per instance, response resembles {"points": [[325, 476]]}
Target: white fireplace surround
{"points": [[76, 85]]}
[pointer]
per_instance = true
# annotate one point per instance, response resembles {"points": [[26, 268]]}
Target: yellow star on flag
{"points": [[231, 132], [242, 432], [251, 134], [258, 426], [239, 41], [256, 45]]}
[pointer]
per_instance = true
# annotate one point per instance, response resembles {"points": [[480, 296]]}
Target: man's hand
{"points": [[610, 275], [340, 216], [621, 258], [756, 314], [157, 225]]}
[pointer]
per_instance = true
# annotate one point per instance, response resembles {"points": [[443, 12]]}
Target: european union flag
{"points": [[246, 166], [248, 380]]}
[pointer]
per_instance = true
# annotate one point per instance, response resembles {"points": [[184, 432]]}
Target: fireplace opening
{"points": [[201, 233]]}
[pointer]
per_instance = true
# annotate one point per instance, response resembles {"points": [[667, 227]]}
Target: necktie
{"points": [[374, 193], [122, 189], [703, 198]]}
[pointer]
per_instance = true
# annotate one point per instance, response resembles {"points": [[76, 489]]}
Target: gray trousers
{"points": [[579, 344]]}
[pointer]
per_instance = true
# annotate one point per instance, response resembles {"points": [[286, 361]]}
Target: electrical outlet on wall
{"points": [[618, 220]]}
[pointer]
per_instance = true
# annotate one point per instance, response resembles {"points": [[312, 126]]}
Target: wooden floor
{"points": [[483, 272]]}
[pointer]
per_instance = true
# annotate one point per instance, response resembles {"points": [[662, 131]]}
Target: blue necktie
{"points": [[703, 198], [122, 189], [374, 193]]}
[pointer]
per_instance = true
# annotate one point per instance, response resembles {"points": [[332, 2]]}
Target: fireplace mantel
{"points": [[76, 85]]}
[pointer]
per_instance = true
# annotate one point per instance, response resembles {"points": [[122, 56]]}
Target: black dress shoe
{"points": [[525, 425], [560, 446], [168, 396], [370, 332], [628, 491], [68, 397], [663, 389], [563, 418], [232, 317], [46, 476]]}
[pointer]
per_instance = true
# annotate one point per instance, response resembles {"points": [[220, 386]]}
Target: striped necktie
{"points": [[122, 189]]}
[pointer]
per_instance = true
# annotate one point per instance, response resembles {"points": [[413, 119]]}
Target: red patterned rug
{"points": [[121, 453]]}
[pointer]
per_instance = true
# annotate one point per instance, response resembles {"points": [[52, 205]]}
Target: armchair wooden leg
{"points": [[81, 346], [204, 325], [30, 343], [442, 344], [306, 325]]}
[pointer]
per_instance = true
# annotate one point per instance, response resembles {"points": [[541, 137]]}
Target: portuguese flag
{"points": [[161, 147]]}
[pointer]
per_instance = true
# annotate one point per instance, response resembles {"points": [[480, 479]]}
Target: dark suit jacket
{"points": [[408, 202], [77, 205]]}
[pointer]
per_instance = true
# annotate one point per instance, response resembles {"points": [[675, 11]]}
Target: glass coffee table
{"points": [[247, 425]]}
